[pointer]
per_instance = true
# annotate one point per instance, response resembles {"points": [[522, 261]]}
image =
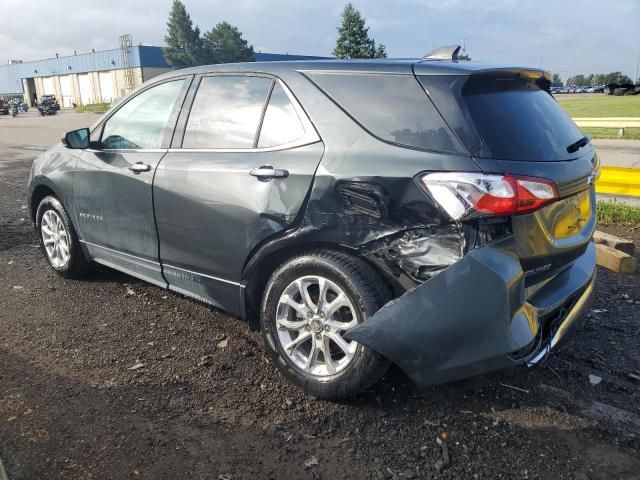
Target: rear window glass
{"points": [[508, 117], [394, 108]]}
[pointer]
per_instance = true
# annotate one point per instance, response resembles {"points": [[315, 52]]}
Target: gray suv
{"points": [[429, 213]]}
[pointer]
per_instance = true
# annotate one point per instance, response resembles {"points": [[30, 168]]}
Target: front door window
{"points": [[142, 123]]}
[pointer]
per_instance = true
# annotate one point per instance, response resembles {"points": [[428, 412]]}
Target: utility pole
{"points": [[635, 75]]}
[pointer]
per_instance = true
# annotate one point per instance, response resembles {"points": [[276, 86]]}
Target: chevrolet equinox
{"points": [[429, 213]]}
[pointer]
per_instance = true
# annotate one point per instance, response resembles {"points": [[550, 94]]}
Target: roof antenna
{"points": [[450, 52]]}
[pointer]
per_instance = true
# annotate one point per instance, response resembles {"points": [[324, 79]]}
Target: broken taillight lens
{"points": [[464, 194]]}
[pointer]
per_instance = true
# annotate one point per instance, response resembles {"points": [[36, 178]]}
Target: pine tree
{"points": [[353, 37], [182, 39], [381, 51], [224, 44]]}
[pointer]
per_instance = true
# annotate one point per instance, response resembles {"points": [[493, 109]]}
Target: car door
{"points": [[113, 182], [246, 159]]}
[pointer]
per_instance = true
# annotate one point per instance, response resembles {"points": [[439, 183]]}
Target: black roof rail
{"points": [[450, 52]]}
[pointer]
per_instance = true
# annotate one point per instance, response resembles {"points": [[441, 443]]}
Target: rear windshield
{"points": [[394, 108], [508, 117]]}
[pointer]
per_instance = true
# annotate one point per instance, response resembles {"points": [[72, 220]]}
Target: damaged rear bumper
{"points": [[477, 316]]}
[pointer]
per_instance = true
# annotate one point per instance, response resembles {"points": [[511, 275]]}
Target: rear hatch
{"points": [[510, 124]]}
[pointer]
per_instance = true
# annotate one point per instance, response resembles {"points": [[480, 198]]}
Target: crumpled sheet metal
{"points": [[457, 324]]}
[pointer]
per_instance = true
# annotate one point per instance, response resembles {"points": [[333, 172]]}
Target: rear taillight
{"points": [[466, 195]]}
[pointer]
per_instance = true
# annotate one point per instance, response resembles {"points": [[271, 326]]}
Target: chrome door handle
{"points": [[266, 172], [139, 167]]}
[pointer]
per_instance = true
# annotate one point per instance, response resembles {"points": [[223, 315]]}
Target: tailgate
{"points": [[548, 239]]}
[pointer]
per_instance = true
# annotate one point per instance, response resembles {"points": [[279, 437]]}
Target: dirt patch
{"points": [[207, 404]]}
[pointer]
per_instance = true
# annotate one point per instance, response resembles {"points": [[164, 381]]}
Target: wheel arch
{"points": [[262, 264], [39, 192]]}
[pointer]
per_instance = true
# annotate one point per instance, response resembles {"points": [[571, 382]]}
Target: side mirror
{"points": [[77, 139]]}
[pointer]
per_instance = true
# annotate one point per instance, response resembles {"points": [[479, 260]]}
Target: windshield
{"points": [[505, 117]]}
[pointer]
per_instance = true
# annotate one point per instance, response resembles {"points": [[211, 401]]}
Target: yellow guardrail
{"points": [[619, 181]]}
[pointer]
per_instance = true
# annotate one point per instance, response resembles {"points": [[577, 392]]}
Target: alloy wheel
{"points": [[312, 317], [55, 239]]}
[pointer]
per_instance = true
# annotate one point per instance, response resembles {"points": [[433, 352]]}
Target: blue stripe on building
{"points": [[139, 56]]}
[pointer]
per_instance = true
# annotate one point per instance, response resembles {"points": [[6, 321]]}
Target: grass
{"points": [[93, 107], [602, 106], [629, 133], [617, 212]]}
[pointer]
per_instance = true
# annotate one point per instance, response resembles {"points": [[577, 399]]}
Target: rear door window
{"points": [[226, 112], [394, 108], [281, 124]]}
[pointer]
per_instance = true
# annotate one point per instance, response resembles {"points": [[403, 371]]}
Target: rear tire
{"points": [[59, 240], [322, 362]]}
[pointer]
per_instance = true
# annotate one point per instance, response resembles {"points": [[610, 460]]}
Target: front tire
{"points": [[59, 240], [310, 302]]}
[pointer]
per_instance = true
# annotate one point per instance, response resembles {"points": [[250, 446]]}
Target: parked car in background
{"points": [[4, 107], [47, 107], [352, 217], [50, 99]]}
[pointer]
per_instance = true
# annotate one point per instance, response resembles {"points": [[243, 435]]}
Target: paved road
{"points": [[32, 129], [619, 153]]}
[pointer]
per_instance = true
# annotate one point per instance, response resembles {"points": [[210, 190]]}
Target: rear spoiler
{"points": [[435, 63]]}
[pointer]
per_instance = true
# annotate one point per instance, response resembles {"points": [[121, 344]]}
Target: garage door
{"points": [[106, 86], [48, 86], [66, 90], [86, 92]]}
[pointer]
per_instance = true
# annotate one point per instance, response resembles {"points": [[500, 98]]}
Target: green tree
{"points": [[557, 81], [182, 39], [353, 37], [598, 79], [577, 81], [381, 51], [224, 44], [465, 57]]}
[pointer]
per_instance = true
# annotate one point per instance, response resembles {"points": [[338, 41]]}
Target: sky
{"points": [[565, 36]]}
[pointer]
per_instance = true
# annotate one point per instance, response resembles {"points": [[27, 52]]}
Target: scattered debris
{"points": [[633, 376], [593, 409], [137, 366], [204, 361], [594, 379], [12, 418], [219, 337], [3, 472], [223, 343], [10, 262], [515, 388], [599, 310], [442, 441], [311, 461], [130, 291], [18, 287]]}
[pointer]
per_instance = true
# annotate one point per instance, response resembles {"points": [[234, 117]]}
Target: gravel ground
{"points": [[109, 377]]}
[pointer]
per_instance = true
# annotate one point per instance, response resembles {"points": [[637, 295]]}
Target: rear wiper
{"points": [[574, 147]]}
